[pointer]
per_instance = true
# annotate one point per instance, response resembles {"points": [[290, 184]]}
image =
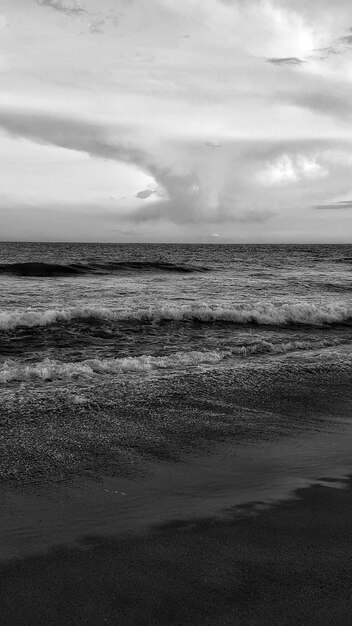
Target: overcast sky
{"points": [[176, 120]]}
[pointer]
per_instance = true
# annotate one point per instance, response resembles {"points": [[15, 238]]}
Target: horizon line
{"points": [[188, 243]]}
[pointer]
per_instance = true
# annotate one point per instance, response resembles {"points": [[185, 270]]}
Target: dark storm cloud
{"points": [[346, 40], [182, 196], [344, 204], [62, 7], [285, 61], [69, 133], [145, 193], [181, 203]]}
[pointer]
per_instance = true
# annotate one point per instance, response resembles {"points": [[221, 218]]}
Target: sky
{"points": [[176, 121]]}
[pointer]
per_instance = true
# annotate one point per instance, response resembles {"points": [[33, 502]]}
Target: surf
{"points": [[266, 314]]}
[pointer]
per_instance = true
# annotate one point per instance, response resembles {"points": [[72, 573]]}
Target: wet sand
{"points": [[36, 518], [286, 565], [118, 427]]}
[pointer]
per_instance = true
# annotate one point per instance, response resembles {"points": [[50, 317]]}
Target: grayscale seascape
{"points": [[175, 313]]}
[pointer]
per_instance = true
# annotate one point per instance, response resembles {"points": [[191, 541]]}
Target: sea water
{"points": [[118, 362], [100, 310]]}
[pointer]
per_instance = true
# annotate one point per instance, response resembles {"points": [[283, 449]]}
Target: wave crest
{"points": [[260, 313], [41, 269], [50, 369]]}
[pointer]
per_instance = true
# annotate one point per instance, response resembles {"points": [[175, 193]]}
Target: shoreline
{"points": [[37, 518], [261, 563], [287, 564], [120, 427]]}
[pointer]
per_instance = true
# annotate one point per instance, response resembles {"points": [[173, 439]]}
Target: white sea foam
{"points": [[266, 347], [260, 313], [50, 369]]}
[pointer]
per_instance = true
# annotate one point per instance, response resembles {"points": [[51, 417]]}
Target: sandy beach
{"points": [[287, 565], [247, 524]]}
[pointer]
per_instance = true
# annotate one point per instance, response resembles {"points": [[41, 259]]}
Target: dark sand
{"points": [[287, 565], [116, 428]]}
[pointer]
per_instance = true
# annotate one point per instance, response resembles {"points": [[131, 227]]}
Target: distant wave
{"points": [[338, 287], [261, 314], [343, 259], [55, 269], [267, 347], [50, 369]]}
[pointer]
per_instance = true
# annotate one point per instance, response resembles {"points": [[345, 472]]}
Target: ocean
{"points": [[92, 312], [218, 373]]}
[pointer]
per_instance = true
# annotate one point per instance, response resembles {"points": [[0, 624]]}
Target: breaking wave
{"points": [[55, 269], [50, 369], [260, 314]]}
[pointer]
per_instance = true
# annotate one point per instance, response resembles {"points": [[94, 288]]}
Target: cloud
{"points": [[180, 199], [285, 61], [291, 168], [192, 184], [213, 144], [319, 96], [343, 204], [145, 193], [63, 7], [96, 26], [72, 134], [281, 171], [338, 46], [196, 189], [334, 46], [324, 53], [347, 39]]}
